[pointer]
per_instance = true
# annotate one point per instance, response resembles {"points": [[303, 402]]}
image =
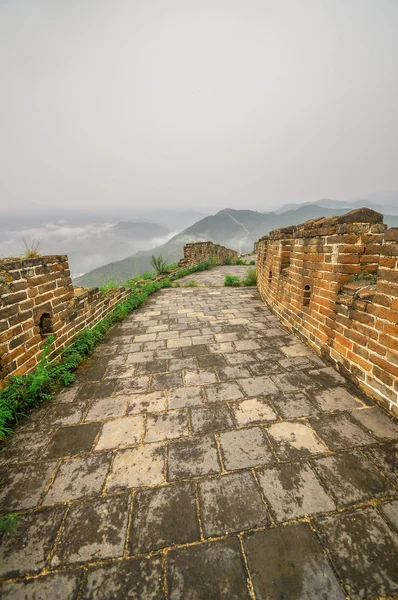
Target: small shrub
{"points": [[192, 283], [159, 264], [232, 281], [239, 261], [32, 249], [9, 523], [177, 284], [106, 287], [251, 277], [252, 262], [147, 275], [228, 261]]}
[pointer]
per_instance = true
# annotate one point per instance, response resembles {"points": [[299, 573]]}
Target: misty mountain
{"points": [[384, 202], [236, 229]]}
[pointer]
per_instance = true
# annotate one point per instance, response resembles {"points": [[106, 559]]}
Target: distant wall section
{"points": [[197, 252], [314, 277], [37, 299]]}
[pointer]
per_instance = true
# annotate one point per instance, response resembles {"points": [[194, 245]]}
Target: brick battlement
{"points": [[37, 299], [197, 252], [314, 277]]}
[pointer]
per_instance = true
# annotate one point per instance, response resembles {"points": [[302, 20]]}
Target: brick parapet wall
{"points": [[305, 274], [197, 252], [36, 296]]}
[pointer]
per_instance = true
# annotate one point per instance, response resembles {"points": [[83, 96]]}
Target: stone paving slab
{"points": [[203, 452]]}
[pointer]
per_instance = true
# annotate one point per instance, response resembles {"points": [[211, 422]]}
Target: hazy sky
{"points": [[197, 104]]}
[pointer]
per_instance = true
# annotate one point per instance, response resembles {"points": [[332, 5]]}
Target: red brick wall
{"points": [[34, 287], [198, 252], [305, 274]]}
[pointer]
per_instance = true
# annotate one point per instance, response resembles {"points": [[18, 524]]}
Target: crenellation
{"points": [[310, 275]]}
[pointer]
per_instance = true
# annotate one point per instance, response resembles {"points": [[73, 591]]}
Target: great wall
{"points": [[203, 450]]}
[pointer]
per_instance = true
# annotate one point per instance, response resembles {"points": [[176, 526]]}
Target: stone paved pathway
{"points": [[215, 277], [202, 454]]}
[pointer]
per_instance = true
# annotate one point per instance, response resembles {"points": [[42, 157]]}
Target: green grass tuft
{"points": [[232, 281], [250, 278], [9, 523]]}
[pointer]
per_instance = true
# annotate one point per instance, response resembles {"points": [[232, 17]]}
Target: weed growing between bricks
{"points": [[24, 392]]}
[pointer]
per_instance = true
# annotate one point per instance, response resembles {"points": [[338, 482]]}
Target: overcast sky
{"points": [[197, 104]]}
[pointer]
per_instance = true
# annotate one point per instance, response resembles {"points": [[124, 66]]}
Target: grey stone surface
{"points": [[117, 433], [93, 529], [291, 382], [377, 422], [385, 457], [199, 377], [61, 586], [212, 570], [69, 441], [206, 419], [253, 410], [364, 552], [351, 478], [293, 440], [21, 487], [166, 426], [165, 381], [221, 392], [185, 396], [231, 503], [258, 386], [291, 406], [389, 510], [143, 403], [26, 550], [192, 458], [164, 516], [137, 467], [293, 491], [339, 432], [77, 478], [334, 399], [245, 448], [288, 562], [134, 578]]}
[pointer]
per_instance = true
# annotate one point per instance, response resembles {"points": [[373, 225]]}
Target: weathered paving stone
{"points": [[21, 487], [124, 431], [258, 386], [240, 358], [192, 458], [351, 478], [336, 399], [339, 432], [61, 586], [364, 552], [64, 414], [231, 503], [252, 411], [139, 578], [166, 426], [290, 382], [245, 448], [140, 357], [291, 406], [293, 440], [296, 350], [179, 364], [265, 368], [163, 517], [185, 396], [196, 350], [223, 347], [142, 403], [179, 342], [24, 447], [326, 376], [27, 549], [132, 385], [236, 372], [68, 441], [165, 381], [199, 376], [77, 478], [206, 419], [288, 562], [293, 491], [137, 467], [102, 389], [211, 570], [152, 366], [93, 529], [385, 456], [296, 363], [223, 392], [105, 408], [210, 360], [377, 422], [389, 510]]}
